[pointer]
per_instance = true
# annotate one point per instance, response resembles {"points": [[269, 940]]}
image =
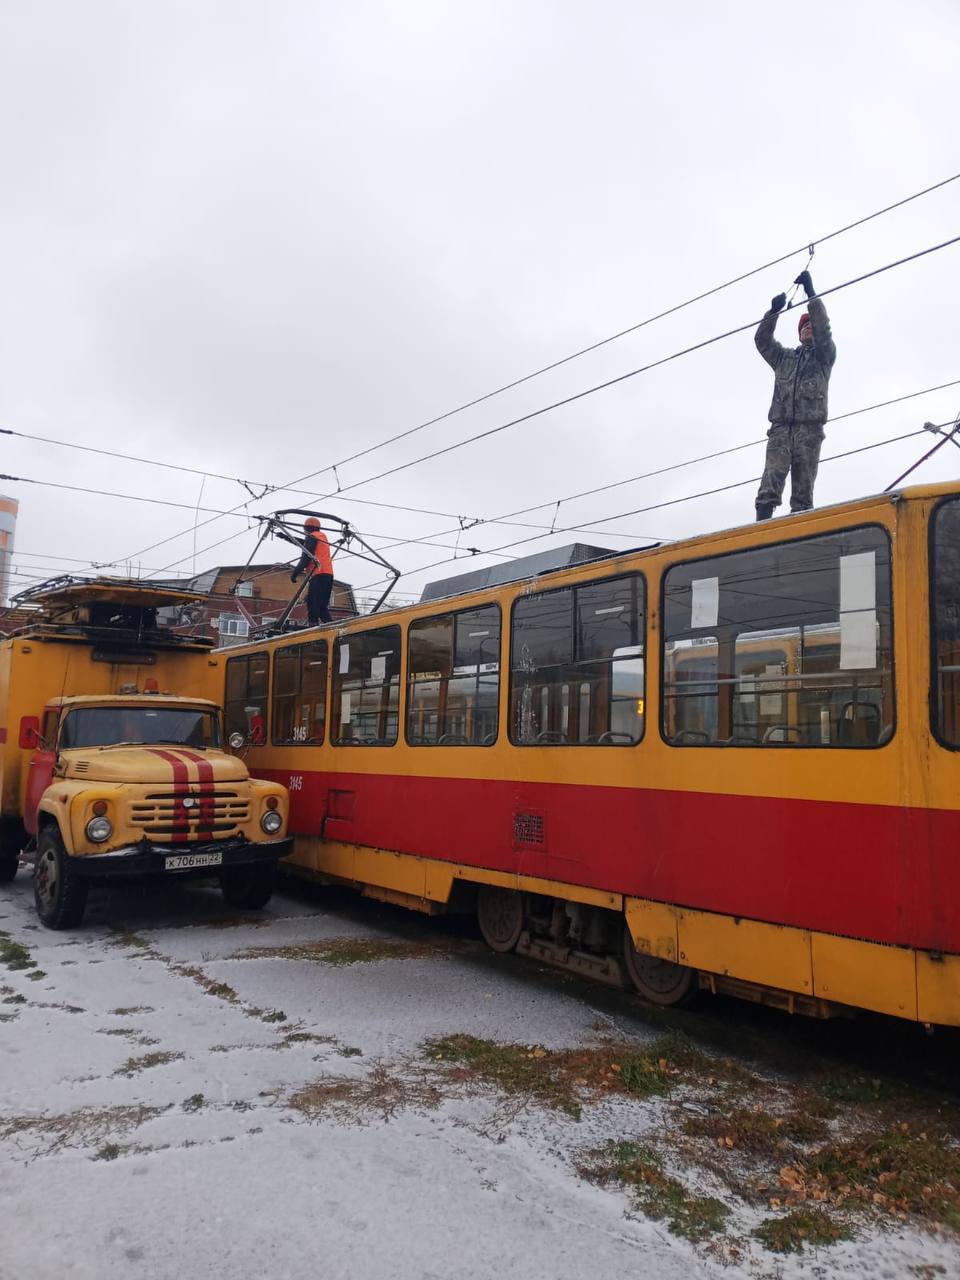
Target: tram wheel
{"points": [[500, 915], [659, 981]]}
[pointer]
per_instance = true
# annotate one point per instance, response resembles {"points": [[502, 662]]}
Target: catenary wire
{"points": [[470, 523], [270, 488], [586, 526], [293, 483], [670, 502], [556, 364]]}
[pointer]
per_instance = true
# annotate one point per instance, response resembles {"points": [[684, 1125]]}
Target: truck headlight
{"points": [[99, 829], [271, 822]]}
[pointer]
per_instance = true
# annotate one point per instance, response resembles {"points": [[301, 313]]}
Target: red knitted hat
{"points": [[803, 320]]}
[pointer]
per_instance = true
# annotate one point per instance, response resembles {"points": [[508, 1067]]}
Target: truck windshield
{"points": [[107, 726]]}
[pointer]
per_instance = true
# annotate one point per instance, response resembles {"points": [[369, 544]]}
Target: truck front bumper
{"points": [[191, 860]]}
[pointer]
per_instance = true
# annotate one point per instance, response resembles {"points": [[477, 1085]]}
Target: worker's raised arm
{"points": [[767, 345], [822, 337], [305, 560]]}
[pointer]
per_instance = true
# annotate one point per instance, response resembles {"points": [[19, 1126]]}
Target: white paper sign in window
{"points": [[344, 659], [858, 612], [704, 602], [378, 669], [345, 708]]}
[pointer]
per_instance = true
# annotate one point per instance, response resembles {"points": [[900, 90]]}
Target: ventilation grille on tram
{"points": [[529, 830]]}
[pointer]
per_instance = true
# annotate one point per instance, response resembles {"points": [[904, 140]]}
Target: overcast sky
{"points": [[255, 238]]}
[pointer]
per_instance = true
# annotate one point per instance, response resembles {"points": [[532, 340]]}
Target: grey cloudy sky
{"points": [[257, 238]]}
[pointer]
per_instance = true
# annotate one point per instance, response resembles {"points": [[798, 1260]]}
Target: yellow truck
{"points": [[112, 762]]}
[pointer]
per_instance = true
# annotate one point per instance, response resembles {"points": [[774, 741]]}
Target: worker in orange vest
{"points": [[317, 562]]}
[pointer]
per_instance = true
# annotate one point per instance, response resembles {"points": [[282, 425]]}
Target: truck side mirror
{"points": [[236, 741], [29, 733]]}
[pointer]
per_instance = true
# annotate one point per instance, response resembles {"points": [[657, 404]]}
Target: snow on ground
{"points": [[148, 1129]]}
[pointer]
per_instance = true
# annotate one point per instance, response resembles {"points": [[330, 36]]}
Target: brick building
{"points": [[240, 600]]}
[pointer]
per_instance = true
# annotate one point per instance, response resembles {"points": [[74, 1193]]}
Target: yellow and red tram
{"points": [[731, 762]]}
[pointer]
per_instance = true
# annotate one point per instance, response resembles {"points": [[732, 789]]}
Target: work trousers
{"points": [[318, 598], [793, 449]]}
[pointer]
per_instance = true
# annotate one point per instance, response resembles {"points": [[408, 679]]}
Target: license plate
{"points": [[183, 861]]}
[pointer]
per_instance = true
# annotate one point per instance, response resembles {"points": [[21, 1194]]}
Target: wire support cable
{"points": [[672, 502], [622, 333], [587, 525], [249, 485], [291, 485]]}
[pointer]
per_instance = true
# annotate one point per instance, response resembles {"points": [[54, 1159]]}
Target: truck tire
{"points": [[59, 893], [250, 886], [12, 839]]}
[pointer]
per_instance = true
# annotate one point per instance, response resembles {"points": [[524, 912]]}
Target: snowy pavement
{"points": [[152, 1122]]}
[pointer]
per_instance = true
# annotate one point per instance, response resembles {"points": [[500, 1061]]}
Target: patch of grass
{"points": [[82, 1128], [559, 1079], [303, 1037], [195, 1102], [345, 951], [14, 954], [37, 976], [267, 1015], [802, 1227], [126, 1011], [133, 1066], [219, 990], [856, 1090], [899, 1170], [654, 1191], [756, 1130], [110, 1151], [350, 1051], [381, 1092], [123, 937], [15, 999]]}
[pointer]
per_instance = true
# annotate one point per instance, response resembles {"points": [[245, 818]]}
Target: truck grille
{"points": [[213, 815]]}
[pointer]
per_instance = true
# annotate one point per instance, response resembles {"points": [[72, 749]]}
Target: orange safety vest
{"points": [[321, 550]]}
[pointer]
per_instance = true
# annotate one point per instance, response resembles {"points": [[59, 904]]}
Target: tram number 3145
{"points": [[296, 782]]}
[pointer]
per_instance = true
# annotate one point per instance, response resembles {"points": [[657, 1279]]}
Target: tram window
{"points": [[577, 665], [299, 694], [245, 702], [453, 679], [366, 688], [945, 621], [789, 645]]}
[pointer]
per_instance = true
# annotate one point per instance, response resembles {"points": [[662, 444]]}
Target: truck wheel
{"points": [[249, 886], [59, 893]]}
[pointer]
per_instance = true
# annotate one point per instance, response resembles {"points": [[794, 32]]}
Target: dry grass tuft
{"points": [[345, 951], [383, 1092]]}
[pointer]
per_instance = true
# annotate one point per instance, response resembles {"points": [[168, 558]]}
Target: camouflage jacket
{"points": [[802, 373]]}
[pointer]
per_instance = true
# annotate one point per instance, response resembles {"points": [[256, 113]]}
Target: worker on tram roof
{"points": [[317, 562], [799, 407]]}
